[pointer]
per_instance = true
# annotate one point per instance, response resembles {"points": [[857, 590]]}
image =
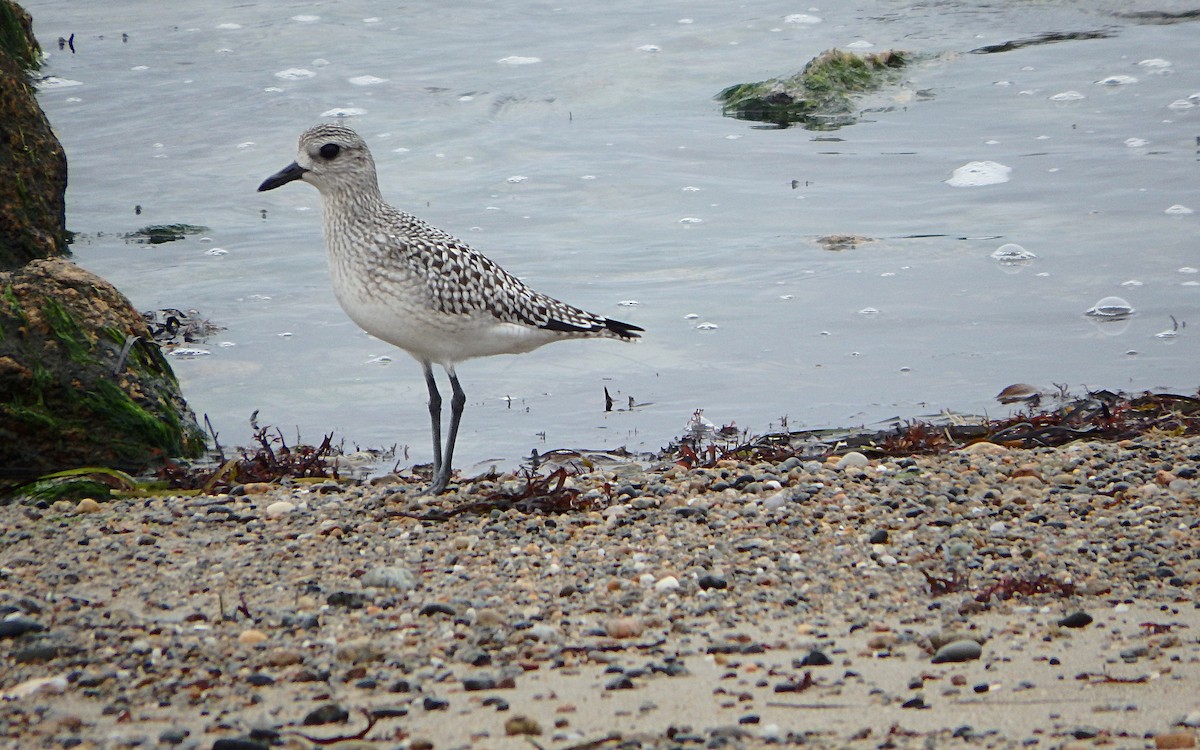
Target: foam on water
{"points": [[979, 173]]}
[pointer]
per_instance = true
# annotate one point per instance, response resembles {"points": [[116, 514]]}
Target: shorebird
{"points": [[419, 288]]}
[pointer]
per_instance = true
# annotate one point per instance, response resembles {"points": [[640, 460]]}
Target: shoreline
{"points": [[677, 609]]}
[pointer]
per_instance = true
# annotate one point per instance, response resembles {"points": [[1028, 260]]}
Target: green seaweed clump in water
{"points": [[818, 97]]}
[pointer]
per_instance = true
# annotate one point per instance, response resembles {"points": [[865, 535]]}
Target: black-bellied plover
{"points": [[419, 288]]}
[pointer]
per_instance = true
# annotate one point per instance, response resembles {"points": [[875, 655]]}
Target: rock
{"points": [[32, 204], [960, 650], [279, 508], [394, 577], [852, 460], [17, 626], [251, 637], [37, 686], [326, 714], [1173, 740], [709, 581], [624, 627], [1078, 619], [87, 505], [821, 95], [521, 725], [83, 383]]}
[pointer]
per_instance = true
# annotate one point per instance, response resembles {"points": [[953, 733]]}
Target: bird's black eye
{"points": [[330, 150]]}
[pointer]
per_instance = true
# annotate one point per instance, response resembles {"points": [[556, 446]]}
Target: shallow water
{"points": [[604, 174]]}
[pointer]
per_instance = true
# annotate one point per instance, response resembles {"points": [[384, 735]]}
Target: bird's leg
{"points": [[435, 417], [457, 402]]}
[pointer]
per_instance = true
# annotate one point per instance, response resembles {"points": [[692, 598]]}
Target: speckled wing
{"points": [[463, 281]]}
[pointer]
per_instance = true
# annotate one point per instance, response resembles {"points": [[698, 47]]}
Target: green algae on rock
{"points": [[819, 97], [84, 383]]}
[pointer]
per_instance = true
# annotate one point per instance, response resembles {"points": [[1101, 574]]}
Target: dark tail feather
{"points": [[624, 330]]}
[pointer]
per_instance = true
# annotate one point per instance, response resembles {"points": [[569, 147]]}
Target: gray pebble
{"points": [[961, 650]]}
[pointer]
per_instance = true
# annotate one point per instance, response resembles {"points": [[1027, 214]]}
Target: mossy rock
{"points": [[32, 206], [83, 383], [822, 96]]}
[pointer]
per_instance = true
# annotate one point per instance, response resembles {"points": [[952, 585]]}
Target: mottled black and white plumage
{"points": [[413, 285]]}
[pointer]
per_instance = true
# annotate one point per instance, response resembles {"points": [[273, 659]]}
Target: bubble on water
{"points": [[1181, 104], [587, 177], [294, 74], [382, 359], [1002, 83], [226, 344], [691, 220], [787, 296], [691, 316], [628, 303], [320, 62], [366, 80], [229, 26], [1012, 254], [860, 44], [1155, 62], [344, 112], [1117, 81], [1188, 269], [140, 67], [707, 327], [517, 178], [1132, 282], [50, 83], [1136, 142], [518, 60], [650, 48], [685, 20], [801, 18], [1178, 210], [978, 173], [1067, 96], [1110, 308], [216, 252], [306, 18], [372, 19], [868, 311]]}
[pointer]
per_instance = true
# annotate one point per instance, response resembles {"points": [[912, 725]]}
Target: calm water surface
{"points": [[579, 146]]}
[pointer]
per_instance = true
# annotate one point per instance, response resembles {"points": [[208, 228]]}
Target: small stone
{"points": [[712, 582], [960, 650], [471, 684], [813, 658], [394, 577], [18, 626], [173, 736], [620, 683], [251, 636], [516, 725], [666, 583], [879, 536], [1173, 740], [279, 508], [624, 627], [257, 488], [983, 448], [436, 608], [852, 460], [435, 704], [326, 714], [87, 505], [1076, 620], [347, 599]]}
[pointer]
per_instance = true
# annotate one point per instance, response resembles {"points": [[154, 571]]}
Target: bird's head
{"points": [[331, 157]]}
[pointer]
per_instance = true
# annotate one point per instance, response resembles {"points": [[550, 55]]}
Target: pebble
{"points": [[87, 505], [682, 568], [521, 725], [395, 577], [279, 508], [852, 460], [959, 650]]}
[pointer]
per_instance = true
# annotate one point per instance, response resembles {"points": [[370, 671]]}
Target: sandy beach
{"points": [[988, 598]]}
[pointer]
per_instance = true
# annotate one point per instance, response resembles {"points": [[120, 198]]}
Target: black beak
{"points": [[291, 172]]}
